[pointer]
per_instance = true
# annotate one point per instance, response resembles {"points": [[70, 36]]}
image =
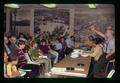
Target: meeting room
{"points": [[59, 40]]}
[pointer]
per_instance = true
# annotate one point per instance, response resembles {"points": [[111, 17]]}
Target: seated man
{"points": [[53, 54], [70, 45], [64, 46]]}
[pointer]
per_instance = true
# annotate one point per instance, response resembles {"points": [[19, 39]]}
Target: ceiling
{"points": [[66, 6]]}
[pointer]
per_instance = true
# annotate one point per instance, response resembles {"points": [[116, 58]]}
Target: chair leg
{"points": [[43, 69], [113, 65], [107, 67]]}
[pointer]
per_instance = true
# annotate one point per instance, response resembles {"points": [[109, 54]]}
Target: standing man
{"points": [[7, 48], [13, 44], [108, 49]]}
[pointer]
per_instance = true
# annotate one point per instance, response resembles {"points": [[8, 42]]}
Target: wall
{"points": [[79, 20], [23, 14], [99, 17]]}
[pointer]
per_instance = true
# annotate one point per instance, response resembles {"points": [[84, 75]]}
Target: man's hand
{"points": [[107, 56], [97, 32]]}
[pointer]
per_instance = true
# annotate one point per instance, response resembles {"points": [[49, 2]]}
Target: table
{"points": [[79, 67]]}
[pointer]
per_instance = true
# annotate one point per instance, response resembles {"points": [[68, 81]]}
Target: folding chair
{"points": [[111, 73]]}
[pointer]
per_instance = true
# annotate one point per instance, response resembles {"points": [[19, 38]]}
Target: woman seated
{"points": [[44, 48], [22, 61], [10, 69], [35, 53], [97, 52]]}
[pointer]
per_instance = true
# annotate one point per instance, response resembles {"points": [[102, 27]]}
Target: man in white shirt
{"points": [[58, 45], [70, 45], [58, 48]]}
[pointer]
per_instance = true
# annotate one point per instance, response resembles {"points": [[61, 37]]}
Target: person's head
{"points": [[62, 39], [72, 38], [21, 44], [109, 31], [67, 37], [50, 47], [14, 62], [6, 40], [13, 39], [97, 41], [91, 38], [44, 31], [5, 34], [43, 42], [33, 44], [30, 39], [21, 35], [5, 57], [49, 42]]}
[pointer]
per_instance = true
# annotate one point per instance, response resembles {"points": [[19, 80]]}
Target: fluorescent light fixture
{"points": [[12, 5], [49, 5], [92, 5]]}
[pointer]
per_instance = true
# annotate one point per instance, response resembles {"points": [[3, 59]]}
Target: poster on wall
{"points": [[83, 22], [57, 19]]}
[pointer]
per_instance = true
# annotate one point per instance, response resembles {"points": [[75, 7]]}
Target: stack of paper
{"points": [[62, 71], [42, 56], [79, 69], [58, 69]]}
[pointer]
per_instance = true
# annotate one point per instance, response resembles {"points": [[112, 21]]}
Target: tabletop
{"points": [[78, 67]]}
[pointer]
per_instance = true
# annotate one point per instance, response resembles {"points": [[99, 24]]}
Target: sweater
{"points": [[97, 52]]}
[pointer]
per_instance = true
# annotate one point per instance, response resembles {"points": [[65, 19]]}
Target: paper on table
{"points": [[79, 69], [42, 56], [64, 69], [85, 54], [63, 72], [22, 73], [58, 69]]}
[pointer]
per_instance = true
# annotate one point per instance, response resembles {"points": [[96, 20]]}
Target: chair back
{"points": [[28, 58]]}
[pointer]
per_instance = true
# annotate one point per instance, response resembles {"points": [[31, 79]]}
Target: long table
{"points": [[75, 67]]}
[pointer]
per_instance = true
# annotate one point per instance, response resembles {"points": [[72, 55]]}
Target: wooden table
{"points": [[67, 63]]}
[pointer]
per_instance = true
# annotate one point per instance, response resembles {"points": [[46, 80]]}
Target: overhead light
{"points": [[49, 5], [92, 5], [12, 5]]}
